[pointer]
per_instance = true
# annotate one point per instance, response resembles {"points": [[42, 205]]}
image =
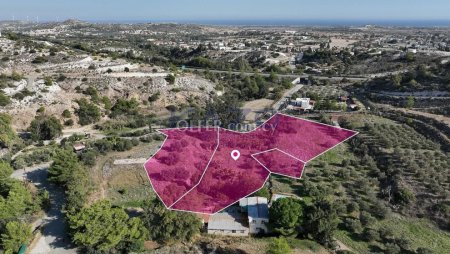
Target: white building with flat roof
{"points": [[228, 222], [304, 103], [258, 214]]}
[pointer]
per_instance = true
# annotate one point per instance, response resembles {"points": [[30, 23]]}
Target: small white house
{"points": [[304, 103], [412, 50], [258, 214]]}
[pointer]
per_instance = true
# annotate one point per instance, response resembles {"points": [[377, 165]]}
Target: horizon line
{"points": [[257, 21]]}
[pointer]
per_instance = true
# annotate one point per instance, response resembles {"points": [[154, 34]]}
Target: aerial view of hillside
{"points": [[225, 127]]}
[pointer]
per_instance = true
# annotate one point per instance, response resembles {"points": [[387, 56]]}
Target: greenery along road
{"points": [[54, 239]]}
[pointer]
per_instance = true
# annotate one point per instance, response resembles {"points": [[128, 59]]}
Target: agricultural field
{"points": [[324, 91], [401, 182]]}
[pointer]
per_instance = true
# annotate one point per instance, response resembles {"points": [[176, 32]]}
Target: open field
{"points": [[420, 232]]}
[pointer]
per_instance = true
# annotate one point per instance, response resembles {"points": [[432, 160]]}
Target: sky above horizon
{"points": [[185, 10]]}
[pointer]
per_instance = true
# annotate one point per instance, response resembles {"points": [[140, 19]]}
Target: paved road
{"points": [[277, 105], [336, 78], [54, 239]]}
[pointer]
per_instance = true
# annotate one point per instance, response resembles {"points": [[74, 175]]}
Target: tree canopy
{"points": [[321, 221], [65, 162], [87, 112], [285, 215], [124, 107], [104, 227], [67, 170], [166, 225], [15, 199], [45, 128], [7, 134], [16, 234], [227, 110]]}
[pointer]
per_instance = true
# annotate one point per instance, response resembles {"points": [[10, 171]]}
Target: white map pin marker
{"points": [[235, 154]]}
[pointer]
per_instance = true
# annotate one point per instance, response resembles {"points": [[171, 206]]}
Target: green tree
{"points": [[93, 93], [15, 235], [285, 215], [15, 200], [410, 57], [124, 107], [5, 172], [321, 221], [87, 112], [104, 227], [279, 246], [107, 104], [77, 188], [65, 162], [166, 225], [409, 102], [7, 134], [45, 128], [227, 110]]}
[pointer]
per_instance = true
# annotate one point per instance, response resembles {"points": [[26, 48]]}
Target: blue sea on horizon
{"points": [[323, 23]]}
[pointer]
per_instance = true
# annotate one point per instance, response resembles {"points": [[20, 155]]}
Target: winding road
{"points": [[54, 239]]}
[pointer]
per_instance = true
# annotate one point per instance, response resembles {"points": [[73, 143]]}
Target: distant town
{"points": [[81, 105]]}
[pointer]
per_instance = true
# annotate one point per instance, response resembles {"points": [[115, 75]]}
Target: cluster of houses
{"points": [[249, 217]]}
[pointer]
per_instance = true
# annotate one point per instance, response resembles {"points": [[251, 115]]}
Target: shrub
{"points": [[4, 100], [39, 60], [66, 113], [69, 122], [279, 246], [40, 110], [48, 81], [170, 79], [353, 225], [366, 219], [370, 235]]}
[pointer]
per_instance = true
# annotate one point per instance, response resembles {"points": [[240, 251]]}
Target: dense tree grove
{"points": [[103, 227], [67, 171], [17, 204], [166, 225], [321, 221], [225, 109]]}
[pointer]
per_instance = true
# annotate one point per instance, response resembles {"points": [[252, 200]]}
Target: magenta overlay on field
{"points": [[205, 170]]}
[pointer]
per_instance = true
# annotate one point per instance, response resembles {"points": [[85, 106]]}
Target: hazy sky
{"points": [[154, 10]]}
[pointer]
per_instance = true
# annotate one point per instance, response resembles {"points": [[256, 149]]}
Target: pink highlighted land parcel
{"points": [[205, 170]]}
